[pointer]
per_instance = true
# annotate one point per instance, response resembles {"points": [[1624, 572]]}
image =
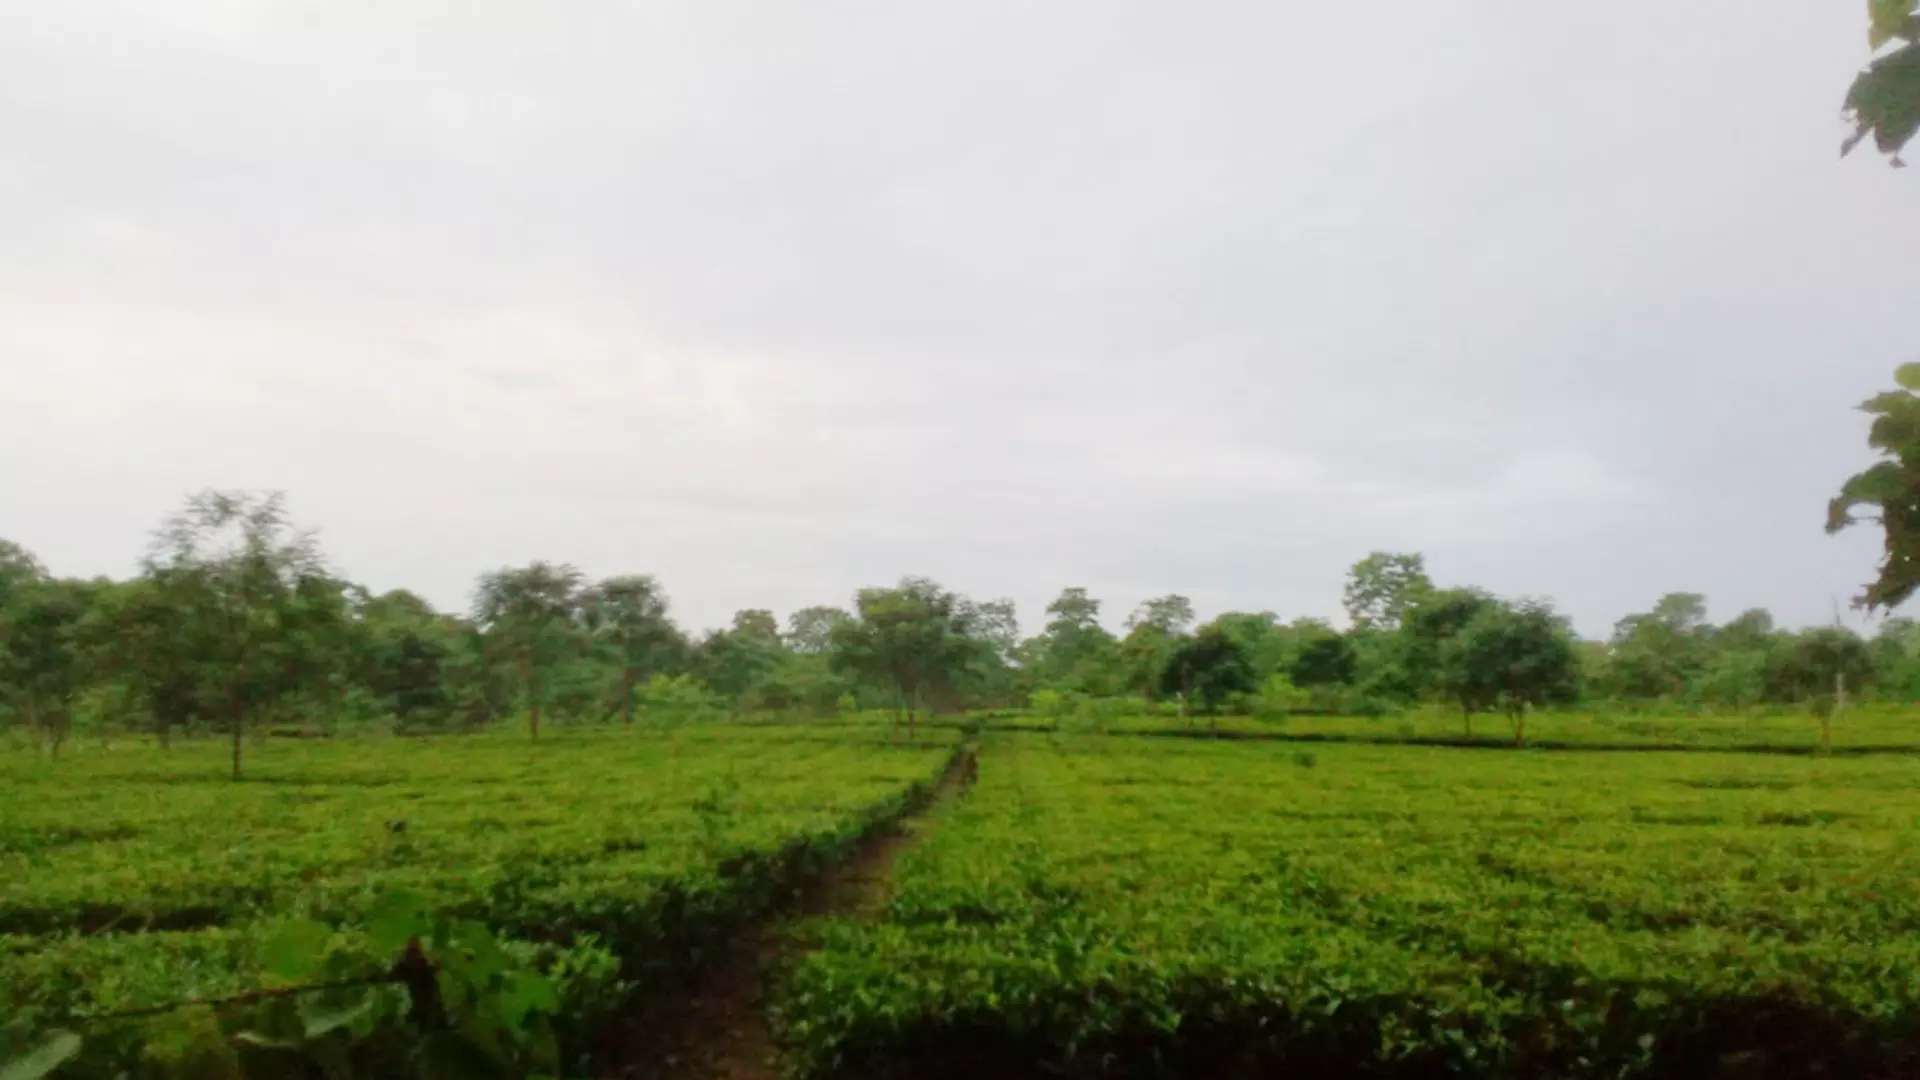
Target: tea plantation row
{"points": [[608, 860], [1108, 906]]}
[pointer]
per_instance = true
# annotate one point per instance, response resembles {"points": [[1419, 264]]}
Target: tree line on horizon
{"points": [[236, 622]]}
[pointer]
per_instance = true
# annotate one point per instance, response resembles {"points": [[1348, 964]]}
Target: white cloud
{"points": [[779, 301]]}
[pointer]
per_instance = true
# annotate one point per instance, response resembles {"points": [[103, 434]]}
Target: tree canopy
{"points": [[1208, 668], [532, 614], [1383, 587], [1512, 657], [250, 604], [1884, 101], [914, 639], [1888, 492], [236, 624]]}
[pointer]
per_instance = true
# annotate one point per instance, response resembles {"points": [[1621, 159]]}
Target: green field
{"points": [[1877, 728], [136, 877], [1121, 906], [1124, 904]]}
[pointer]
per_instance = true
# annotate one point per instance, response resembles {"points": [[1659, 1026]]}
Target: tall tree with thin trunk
{"points": [[532, 614], [255, 612], [741, 662], [1209, 668], [915, 640], [1425, 631], [1171, 614], [17, 567], [1075, 652], [1383, 587], [1512, 657], [810, 630], [133, 635], [41, 654], [628, 614]]}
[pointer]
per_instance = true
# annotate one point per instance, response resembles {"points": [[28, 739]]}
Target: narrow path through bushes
{"points": [[718, 1030]]}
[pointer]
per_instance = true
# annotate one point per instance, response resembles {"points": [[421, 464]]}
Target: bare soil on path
{"points": [[719, 1029]]}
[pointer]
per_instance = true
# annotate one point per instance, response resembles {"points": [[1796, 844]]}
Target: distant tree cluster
{"points": [[1410, 641], [237, 623]]}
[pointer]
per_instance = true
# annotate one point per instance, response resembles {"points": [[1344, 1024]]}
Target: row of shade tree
{"points": [[236, 622]]}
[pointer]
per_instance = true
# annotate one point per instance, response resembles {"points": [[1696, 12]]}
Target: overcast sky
{"points": [[775, 300]]}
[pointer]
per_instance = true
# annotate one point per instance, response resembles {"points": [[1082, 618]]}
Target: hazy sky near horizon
{"points": [[779, 300]]}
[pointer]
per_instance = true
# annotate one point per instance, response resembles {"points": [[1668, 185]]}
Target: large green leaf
{"points": [[1884, 101], [525, 992], [58, 1048], [396, 919], [1888, 19], [297, 951], [332, 1011]]}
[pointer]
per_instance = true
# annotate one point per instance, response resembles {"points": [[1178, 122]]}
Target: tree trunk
{"points": [[533, 699], [627, 680], [1520, 728], [1467, 715], [1839, 702], [233, 708]]}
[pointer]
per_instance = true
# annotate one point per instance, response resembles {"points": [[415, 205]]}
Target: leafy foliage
{"points": [[1429, 626], [1891, 489], [1074, 652], [1512, 657], [1210, 668], [810, 630], [41, 657], [1884, 100], [1383, 587], [629, 614], [1324, 658], [1279, 697], [536, 925], [534, 615], [250, 605], [915, 639], [1209, 908], [1172, 615]]}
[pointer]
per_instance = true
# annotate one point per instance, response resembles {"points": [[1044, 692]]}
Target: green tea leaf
{"points": [[526, 992], [396, 919], [297, 951], [333, 1011]]}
